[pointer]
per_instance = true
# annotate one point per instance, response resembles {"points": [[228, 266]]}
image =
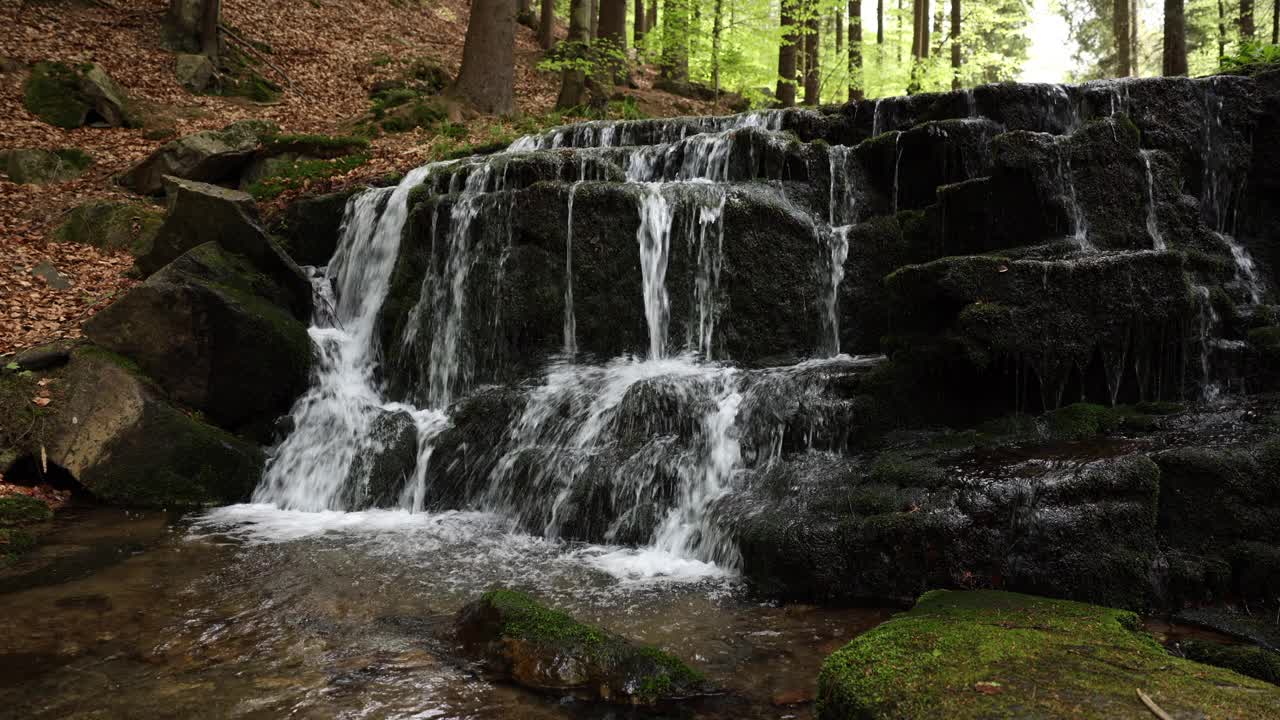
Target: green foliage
{"points": [[1252, 57], [302, 172]]}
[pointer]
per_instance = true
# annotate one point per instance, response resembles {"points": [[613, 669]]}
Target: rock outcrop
{"points": [[543, 649], [112, 225], [36, 166], [70, 96], [212, 156]]}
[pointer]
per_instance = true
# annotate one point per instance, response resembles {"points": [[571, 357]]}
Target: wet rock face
{"points": [[542, 649]]}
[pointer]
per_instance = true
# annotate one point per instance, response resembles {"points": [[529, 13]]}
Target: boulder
{"points": [[539, 648], [112, 225], [309, 228], [985, 654], [114, 431], [50, 275], [378, 475], [212, 156], [217, 334], [195, 72], [35, 166], [70, 96], [200, 213]]}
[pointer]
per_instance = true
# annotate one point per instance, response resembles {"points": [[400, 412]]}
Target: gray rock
{"points": [[72, 96], [311, 226], [194, 72], [51, 276], [378, 476], [112, 225], [210, 156], [34, 166], [44, 357]]}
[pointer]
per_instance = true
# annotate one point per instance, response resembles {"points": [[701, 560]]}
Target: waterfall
{"points": [[1079, 225], [838, 247], [1208, 325], [1218, 194], [710, 259], [897, 167], [570, 322], [654, 236], [1153, 225]]}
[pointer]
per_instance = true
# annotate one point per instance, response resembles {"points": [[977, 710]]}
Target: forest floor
{"points": [[332, 52]]}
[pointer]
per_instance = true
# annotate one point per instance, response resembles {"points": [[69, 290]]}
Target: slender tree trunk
{"points": [[651, 16], [675, 40], [717, 22], [595, 19], [547, 25], [812, 77], [955, 45], [523, 8], [919, 44], [839, 23], [1222, 30], [487, 76], [897, 30], [856, 89], [1275, 23], [1247, 27], [613, 37], [879, 22], [637, 26], [1175, 39], [1120, 31], [939, 16], [1135, 53], [209, 29], [573, 83], [786, 93]]}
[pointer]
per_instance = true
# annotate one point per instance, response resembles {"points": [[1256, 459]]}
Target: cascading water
{"points": [[1153, 223], [654, 236], [570, 320]]}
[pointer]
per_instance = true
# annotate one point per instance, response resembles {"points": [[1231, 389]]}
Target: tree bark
{"points": [[547, 25], [786, 93], [675, 40], [1247, 27], [487, 77], [955, 45], [1135, 53], [573, 83], [1120, 31], [1175, 39], [192, 26], [523, 8], [839, 23], [856, 90], [637, 26], [1222, 30], [1275, 23], [595, 19], [879, 22], [613, 37], [651, 16], [812, 78], [717, 26]]}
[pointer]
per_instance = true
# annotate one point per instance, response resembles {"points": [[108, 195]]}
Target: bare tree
{"points": [[487, 76], [786, 93], [1175, 38], [573, 81]]}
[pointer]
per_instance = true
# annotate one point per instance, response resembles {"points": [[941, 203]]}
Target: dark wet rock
{"points": [[908, 167], [212, 156], [201, 213], [70, 96], [216, 333], [465, 453], [378, 476], [115, 432], [44, 357], [989, 654], [112, 225], [36, 166], [543, 649], [309, 228]]}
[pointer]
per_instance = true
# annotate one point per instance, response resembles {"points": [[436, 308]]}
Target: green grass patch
{"points": [[300, 173]]}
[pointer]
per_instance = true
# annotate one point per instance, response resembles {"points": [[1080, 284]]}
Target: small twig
{"points": [[1152, 706], [254, 51]]}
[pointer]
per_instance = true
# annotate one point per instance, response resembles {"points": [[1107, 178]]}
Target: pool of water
{"points": [[252, 612]]}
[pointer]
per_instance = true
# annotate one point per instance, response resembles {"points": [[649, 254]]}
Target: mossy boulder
{"points": [[212, 156], [1250, 660], [116, 433], [112, 225], [22, 509], [309, 228], [70, 96], [537, 647], [31, 166], [984, 654], [217, 334]]}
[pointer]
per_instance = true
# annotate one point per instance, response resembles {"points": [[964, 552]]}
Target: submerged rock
{"points": [[543, 649], [987, 654]]}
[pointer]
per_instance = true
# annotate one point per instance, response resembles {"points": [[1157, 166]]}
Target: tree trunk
{"points": [[1247, 27], [573, 83], [812, 78], [595, 19], [1222, 30], [1135, 53], [856, 90], [547, 25], [786, 93], [675, 40], [839, 22], [523, 8], [651, 16], [1120, 30], [1275, 23], [939, 16], [613, 38], [1175, 39], [879, 22], [638, 27], [717, 26], [955, 45], [192, 26], [487, 77]]}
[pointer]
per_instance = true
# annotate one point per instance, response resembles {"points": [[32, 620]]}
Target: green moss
{"points": [[112, 226], [1249, 660], [103, 354], [299, 173], [1081, 421], [989, 654], [22, 509], [419, 114], [13, 543], [52, 93], [526, 619], [318, 146]]}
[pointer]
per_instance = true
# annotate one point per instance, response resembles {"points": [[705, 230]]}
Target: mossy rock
{"points": [[13, 543], [70, 96], [545, 649], [990, 654], [1249, 660], [1081, 421], [22, 509], [324, 147], [112, 225], [30, 166]]}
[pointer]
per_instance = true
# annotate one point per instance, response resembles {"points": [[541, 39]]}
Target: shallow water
{"points": [[255, 612]]}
